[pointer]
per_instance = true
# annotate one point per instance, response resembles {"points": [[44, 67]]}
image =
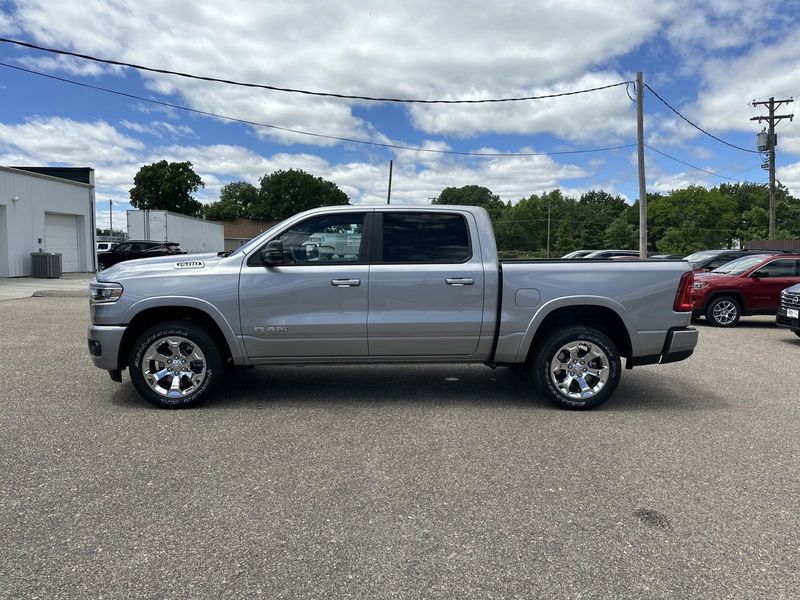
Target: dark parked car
{"points": [[751, 285], [133, 249], [789, 312], [578, 253], [708, 260], [612, 254]]}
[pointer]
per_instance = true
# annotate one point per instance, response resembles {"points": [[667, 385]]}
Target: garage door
{"points": [[61, 235]]}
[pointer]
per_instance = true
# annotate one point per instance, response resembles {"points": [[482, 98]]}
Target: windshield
{"points": [[740, 265], [699, 258]]}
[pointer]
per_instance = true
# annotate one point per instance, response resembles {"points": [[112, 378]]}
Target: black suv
{"points": [[136, 249], [789, 312], [708, 260]]}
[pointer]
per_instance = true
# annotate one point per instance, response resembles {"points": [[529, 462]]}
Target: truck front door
{"points": [[426, 286], [314, 304]]}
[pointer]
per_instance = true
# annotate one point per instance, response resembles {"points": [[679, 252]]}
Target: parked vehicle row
{"points": [[708, 260], [133, 249], [730, 284], [750, 285]]}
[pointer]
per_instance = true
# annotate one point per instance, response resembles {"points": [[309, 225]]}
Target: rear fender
{"points": [[573, 304]]}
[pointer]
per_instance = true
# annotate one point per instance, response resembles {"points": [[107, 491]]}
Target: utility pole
{"points": [[548, 228], [642, 184], [769, 146], [110, 220], [389, 195]]}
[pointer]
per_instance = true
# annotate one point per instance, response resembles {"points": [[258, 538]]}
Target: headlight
{"points": [[699, 285], [104, 293]]}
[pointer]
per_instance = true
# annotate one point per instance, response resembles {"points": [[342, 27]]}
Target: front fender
{"points": [[237, 352]]}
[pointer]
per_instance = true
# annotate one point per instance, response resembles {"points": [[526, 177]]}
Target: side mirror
{"points": [[760, 273], [272, 253]]}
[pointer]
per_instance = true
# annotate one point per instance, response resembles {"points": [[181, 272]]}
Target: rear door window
{"points": [[425, 238], [780, 268]]}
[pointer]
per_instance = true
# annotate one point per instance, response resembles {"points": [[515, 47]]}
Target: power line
{"points": [[711, 135], [309, 133], [593, 222], [689, 164], [273, 88]]}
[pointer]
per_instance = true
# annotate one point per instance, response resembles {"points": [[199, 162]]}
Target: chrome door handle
{"points": [[345, 282], [459, 281]]}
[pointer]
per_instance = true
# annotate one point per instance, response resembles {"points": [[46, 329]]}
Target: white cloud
{"points": [[790, 177], [56, 140], [66, 64], [606, 115], [411, 49], [159, 129]]}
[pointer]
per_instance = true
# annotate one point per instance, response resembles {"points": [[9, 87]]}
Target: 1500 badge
{"points": [[190, 264]]}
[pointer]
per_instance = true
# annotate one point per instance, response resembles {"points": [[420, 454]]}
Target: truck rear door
{"points": [[426, 289]]}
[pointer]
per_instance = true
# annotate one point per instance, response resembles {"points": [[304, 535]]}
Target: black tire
{"points": [[723, 311], [101, 266], [190, 338], [607, 364], [797, 333]]}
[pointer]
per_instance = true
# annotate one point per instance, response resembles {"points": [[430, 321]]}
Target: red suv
{"points": [[751, 285]]}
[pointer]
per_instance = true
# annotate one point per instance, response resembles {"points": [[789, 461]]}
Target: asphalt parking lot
{"points": [[397, 481]]}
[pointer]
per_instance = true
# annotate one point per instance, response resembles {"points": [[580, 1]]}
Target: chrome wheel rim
{"points": [[174, 366], [725, 312], [579, 370]]}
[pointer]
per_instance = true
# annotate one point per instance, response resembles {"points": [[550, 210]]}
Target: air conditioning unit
{"points": [[46, 265]]}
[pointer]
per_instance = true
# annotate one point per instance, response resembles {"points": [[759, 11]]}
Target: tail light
{"points": [[683, 297]]}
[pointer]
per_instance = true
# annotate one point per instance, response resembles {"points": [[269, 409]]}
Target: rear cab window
{"points": [[420, 237]]}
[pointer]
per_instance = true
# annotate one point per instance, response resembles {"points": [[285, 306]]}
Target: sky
{"points": [[709, 60]]}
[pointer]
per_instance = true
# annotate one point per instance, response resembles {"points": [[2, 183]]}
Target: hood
{"points": [[709, 276], [159, 264], [795, 289]]}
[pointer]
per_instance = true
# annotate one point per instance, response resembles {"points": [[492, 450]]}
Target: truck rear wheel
{"points": [[577, 367], [175, 364]]}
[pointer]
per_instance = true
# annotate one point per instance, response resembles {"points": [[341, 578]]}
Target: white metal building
{"points": [[49, 209]]}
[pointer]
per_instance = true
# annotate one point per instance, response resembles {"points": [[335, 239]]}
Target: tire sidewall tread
{"points": [[710, 311], [190, 331], [544, 354]]}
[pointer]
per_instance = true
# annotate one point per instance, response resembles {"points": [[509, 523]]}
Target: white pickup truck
{"points": [[411, 285]]}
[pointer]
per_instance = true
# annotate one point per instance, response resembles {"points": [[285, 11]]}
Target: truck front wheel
{"points": [[577, 367], [175, 364]]}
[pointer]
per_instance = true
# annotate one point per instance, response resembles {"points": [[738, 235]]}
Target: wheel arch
{"points": [[588, 312], [735, 294], [153, 315]]}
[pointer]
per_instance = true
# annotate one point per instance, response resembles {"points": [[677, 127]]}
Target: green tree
{"points": [[167, 186], [285, 193], [594, 213], [692, 219], [621, 234], [473, 195], [235, 200]]}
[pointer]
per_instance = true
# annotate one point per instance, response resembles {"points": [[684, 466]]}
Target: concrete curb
{"points": [[60, 294]]}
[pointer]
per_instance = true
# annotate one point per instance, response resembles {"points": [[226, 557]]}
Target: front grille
{"points": [[790, 301]]}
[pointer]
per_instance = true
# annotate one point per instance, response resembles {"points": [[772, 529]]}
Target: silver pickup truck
{"points": [[386, 284]]}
